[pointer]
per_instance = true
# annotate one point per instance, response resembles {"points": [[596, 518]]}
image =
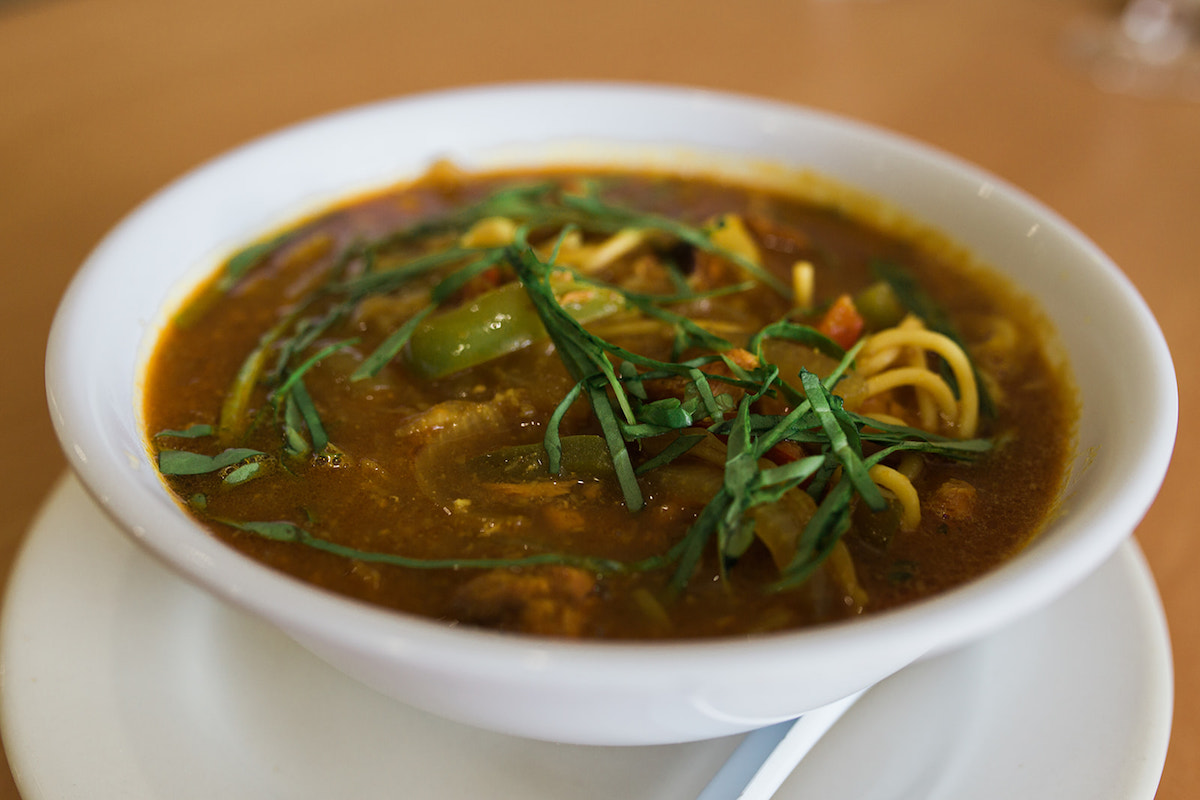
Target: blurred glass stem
{"points": [[1149, 49]]}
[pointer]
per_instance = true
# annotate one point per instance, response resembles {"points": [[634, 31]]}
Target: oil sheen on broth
{"points": [[610, 404]]}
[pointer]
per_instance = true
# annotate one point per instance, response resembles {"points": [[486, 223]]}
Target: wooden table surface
{"points": [[102, 103]]}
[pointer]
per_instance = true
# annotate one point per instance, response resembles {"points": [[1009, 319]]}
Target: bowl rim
{"points": [[308, 608]]}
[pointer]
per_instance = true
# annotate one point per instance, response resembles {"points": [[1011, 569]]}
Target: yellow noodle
{"points": [[926, 405], [868, 365], [875, 363], [803, 284], [899, 485], [968, 407], [927, 410], [720, 326], [620, 243], [916, 376], [875, 359]]}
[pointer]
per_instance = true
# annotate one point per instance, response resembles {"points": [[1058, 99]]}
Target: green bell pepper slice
{"points": [[498, 322]]}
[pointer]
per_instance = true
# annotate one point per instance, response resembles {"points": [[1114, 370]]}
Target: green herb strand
{"points": [[281, 531]]}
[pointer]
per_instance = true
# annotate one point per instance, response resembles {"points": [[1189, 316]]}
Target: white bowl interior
{"points": [[598, 692]]}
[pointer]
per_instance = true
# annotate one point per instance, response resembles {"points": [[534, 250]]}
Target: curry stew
{"points": [[612, 405]]}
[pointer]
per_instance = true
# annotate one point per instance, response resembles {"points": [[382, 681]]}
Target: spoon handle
{"points": [[765, 758]]}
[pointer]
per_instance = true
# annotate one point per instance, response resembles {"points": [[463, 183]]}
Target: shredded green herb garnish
{"points": [[246, 259], [289, 532], [196, 431], [840, 446], [182, 462]]}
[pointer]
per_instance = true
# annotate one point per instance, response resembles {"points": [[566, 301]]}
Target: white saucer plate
{"points": [[122, 681]]}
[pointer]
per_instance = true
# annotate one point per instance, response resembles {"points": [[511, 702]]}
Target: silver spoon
{"points": [[765, 758]]}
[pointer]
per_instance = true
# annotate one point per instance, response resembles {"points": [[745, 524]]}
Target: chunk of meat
{"points": [[953, 501], [555, 600], [463, 417], [777, 236], [648, 275], [710, 271]]}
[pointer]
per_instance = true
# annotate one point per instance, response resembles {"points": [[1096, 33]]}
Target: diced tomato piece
{"points": [[842, 323]]}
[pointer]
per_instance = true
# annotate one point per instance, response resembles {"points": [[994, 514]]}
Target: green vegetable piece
{"points": [[795, 332], [294, 440], [249, 257], [843, 438], [674, 450], [496, 323], [182, 462], [247, 471], [308, 412], [621, 461], [277, 531], [295, 375], [880, 306], [196, 431], [669, 412]]}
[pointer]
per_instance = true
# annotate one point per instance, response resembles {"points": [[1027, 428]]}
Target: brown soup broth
{"points": [[420, 466]]}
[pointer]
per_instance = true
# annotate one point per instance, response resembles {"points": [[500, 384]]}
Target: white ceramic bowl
{"points": [[606, 693]]}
